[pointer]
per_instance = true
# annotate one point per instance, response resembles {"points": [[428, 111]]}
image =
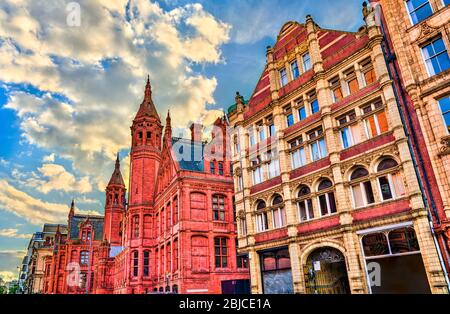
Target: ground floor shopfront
{"points": [[395, 258]]}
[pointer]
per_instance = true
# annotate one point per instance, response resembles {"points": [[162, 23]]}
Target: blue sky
{"points": [[68, 94]]}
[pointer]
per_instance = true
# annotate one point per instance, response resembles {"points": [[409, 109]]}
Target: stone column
{"points": [[296, 267], [255, 273], [356, 275]]}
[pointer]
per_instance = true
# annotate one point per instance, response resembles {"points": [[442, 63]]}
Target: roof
{"points": [[335, 46], [116, 177], [147, 107], [76, 222], [192, 154]]}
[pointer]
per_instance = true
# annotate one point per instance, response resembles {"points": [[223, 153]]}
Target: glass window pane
{"points": [[444, 61], [403, 240], [323, 147], [369, 192], [332, 202], [315, 106], [302, 113], [323, 205], [375, 245], [357, 196], [386, 192]]}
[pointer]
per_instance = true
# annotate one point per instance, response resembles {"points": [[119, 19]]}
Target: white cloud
{"points": [[14, 233], [57, 178], [100, 69], [49, 158]]}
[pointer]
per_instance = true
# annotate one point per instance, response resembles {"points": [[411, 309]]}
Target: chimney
{"points": [[196, 132]]}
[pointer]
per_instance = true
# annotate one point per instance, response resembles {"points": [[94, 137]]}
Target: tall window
{"points": [[336, 90], [350, 131], [318, 147], [257, 170], [361, 188], [278, 212], [218, 208], [289, 116], [251, 136], [283, 77], [273, 164], [146, 263], [220, 168], [368, 72], [306, 59], [313, 102], [175, 211], [295, 70], [304, 204], [135, 263], [301, 113], [436, 57], [212, 167], [271, 126], [418, 10], [243, 226], [390, 181], [327, 202], [221, 252], [261, 131], [135, 227], [375, 122], [298, 157], [84, 257], [262, 223], [444, 104], [237, 148], [352, 81], [175, 255]]}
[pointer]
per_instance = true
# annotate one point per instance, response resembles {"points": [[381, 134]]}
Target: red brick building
{"points": [[177, 233]]}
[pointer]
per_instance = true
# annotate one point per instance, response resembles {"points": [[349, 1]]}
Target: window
{"points": [[175, 211], [146, 263], [352, 81], [313, 102], [327, 202], [175, 255], [336, 90], [240, 183], [257, 170], [273, 164], [218, 208], [243, 226], [436, 57], [84, 257], [298, 158], [212, 167], [237, 148], [220, 169], [261, 132], [135, 227], [278, 212], [221, 252], [261, 218], [251, 136], [135, 263], [149, 134], [283, 77], [390, 184], [289, 116], [368, 72], [301, 113], [418, 10], [350, 131], [295, 70], [304, 204], [361, 188], [306, 59], [242, 260], [318, 147], [444, 104], [271, 126], [376, 123]]}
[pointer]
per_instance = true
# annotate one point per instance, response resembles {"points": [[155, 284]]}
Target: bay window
{"points": [[135, 263], [136, 227], [146, 263]]}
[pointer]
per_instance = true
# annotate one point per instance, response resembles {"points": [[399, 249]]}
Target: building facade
{"points": [[417, 42], [327, 197]]}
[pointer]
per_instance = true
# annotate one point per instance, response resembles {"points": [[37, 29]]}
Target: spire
{"points": [[116, 177], [72, 208], [168, 130], [147, 107]]}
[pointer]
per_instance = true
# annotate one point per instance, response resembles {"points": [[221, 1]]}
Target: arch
{"points": [[303, 190], [376, 161], [358, 173], [277, 200], [386, 164], [320, 243], [260, 204], [324, 184]]}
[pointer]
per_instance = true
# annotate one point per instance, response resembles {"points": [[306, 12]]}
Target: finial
{"points": [[72, 208], [118, 161], [148, 88]]}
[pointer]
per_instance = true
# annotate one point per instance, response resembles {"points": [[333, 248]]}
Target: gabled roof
{"points": [[77, 221], [334, 45]]}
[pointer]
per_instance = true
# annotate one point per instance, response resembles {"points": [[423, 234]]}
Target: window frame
{"points": [[219, 213], [284, 79], [223, 252], [435, 56], [415, 9]]}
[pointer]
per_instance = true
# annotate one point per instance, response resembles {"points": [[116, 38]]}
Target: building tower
{"points": [[146, 133], [115, 207]]}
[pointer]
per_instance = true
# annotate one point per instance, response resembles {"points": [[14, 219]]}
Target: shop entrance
{"points": [[276, 272], [326, 272]]}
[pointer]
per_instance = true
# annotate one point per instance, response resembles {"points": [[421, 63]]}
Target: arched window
{"points": [[135, 263], [304, 204], [218, 204], [146, 263], [390, 182], [262, 224], [326, 200], [135, 227], [361, 188], [278, 212], [221, 252]]}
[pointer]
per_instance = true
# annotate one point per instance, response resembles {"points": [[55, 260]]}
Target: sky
{"points": [[69, 90]]}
